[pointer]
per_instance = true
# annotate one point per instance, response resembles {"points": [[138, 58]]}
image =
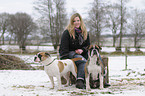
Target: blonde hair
{"points": [[71, 27]]}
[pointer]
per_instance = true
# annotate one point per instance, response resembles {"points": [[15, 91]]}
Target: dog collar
{"points": [[51, 62]]}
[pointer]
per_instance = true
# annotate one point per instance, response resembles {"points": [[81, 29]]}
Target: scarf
{"points": [[80, 37]]}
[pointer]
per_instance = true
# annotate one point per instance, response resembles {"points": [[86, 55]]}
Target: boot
{"points": [[106, 84], [80, 84]]}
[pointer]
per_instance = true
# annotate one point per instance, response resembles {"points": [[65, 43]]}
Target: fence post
{"points": [[125, 57], [21, 50]]}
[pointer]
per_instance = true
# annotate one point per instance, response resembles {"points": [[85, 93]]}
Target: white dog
{"points": [[93, 66], [57, 68]]}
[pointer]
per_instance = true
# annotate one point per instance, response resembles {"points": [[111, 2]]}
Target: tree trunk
{"points": [[3, 40], [135, 38], [121, 28], [114, 41]]}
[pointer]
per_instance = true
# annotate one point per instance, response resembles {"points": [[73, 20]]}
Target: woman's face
{"points": [[77, 22]]}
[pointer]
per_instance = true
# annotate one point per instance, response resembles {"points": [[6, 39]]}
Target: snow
{"points": [[36, 82], [123, 82], [51, 48], [112, 49], [31, 48]]}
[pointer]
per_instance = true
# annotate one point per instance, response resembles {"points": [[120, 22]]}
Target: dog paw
{"points": [[88, 89], [66, 85], [51, 88], [61, 90], [101, 88]]}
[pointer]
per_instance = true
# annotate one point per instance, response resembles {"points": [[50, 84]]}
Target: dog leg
{"points": [[87, 82], [75, 74], [67, 78], [59, 81], [101, 81], [52, 81]]}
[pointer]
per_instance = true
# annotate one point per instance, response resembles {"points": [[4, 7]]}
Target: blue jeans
{"points": [[80, 64]]}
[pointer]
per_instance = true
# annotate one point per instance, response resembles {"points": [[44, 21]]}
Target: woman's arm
{"points": [[87, 43], [64, 45]]}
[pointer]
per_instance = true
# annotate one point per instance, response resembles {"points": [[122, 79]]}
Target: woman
{"points": [[74, 42]]}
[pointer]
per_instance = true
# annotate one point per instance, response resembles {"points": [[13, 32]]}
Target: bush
{"points": [[12, 62]]}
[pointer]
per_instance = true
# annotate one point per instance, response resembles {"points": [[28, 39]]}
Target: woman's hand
{"points": [[79, 51]]}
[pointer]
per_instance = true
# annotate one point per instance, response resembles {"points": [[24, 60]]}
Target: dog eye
{"points": [[39, 56], [91, 48], [35, 58]]}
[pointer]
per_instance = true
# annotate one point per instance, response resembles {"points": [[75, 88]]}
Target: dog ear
{"points": [[99, 47], [89, 47], [47, 54]]}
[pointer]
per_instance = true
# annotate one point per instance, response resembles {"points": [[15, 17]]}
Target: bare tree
{"points": [[53, 11], [112, 20], [4, 23], [137, 26], [122, 20], [43, 29], [22, 25], [96, 19], [60, 20]]}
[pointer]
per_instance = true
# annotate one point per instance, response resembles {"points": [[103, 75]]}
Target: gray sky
{"points": [[13, 6]]}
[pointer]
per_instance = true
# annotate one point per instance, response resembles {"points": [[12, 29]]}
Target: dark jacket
{"points": [[69, 44]]}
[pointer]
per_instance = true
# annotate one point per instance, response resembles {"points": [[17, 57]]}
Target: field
{"points": [[130, 82]]}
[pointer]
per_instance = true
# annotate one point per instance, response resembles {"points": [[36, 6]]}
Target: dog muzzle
{"points": [[94, 52], [36, 59]]}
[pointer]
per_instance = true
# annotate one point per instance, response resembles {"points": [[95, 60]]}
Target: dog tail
{"points": [[76, 59]]}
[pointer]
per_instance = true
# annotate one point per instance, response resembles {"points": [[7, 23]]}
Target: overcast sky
{"points": [[13, 6]]}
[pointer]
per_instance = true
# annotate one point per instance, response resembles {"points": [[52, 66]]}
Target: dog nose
{"points": [[35, 58], [94, 51]]}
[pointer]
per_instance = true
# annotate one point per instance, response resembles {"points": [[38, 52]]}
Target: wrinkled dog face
{"points": [[41, 56], [93, 50]]}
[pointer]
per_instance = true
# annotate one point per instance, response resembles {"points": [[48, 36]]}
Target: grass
{"points": [[55, 53], [106, 92], [25, 87], [33, 52], [122, 53], [84, 92]]}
